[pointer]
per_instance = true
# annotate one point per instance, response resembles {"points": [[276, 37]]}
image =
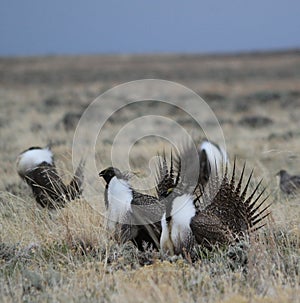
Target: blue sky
{"points": [[37, 27]]}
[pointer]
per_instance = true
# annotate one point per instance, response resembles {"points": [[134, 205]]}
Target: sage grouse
{"points": [[227, 216], [131, 215], [36, 166], [289, 184]]}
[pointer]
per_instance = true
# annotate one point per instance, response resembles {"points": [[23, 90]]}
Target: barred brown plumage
{"points": [[289, 184], [36, 166], [165, 177]]}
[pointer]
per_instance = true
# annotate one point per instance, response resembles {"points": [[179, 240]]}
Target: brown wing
{"points": [[145, 224], [292, 185], [146, 208], [47, 186], [209, 230], [143, 236]]}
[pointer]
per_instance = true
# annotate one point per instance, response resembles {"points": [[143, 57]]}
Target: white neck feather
{"points": [[183, 210], [217, 157], [119, 195], [166, 244], [30, 159]]}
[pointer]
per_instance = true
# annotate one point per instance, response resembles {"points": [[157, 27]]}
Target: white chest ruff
{"points": [[166, 244], [119, 195], [32, 158], [217, 156], [183, 211], [175, 235]]}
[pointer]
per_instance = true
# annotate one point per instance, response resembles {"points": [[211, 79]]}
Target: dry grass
{"points": [[67, 255]]}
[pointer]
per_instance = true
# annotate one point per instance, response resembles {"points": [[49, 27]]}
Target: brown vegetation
{"points": [[67, 255]]}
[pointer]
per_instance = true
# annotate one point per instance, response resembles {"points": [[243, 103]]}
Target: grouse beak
{"points": [[169, 190], [101, 174]]}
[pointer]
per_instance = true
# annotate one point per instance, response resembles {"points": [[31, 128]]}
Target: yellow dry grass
{"points": [[67, 255]]}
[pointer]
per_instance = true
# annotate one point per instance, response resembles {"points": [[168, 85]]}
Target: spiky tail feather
{"points": [[166, 178], [229, 203]]}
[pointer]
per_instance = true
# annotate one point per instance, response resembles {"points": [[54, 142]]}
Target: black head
{"points": [[281, 173], [108, 173]]}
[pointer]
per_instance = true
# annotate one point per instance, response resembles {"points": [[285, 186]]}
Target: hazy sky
{"points": [[29, 27]]}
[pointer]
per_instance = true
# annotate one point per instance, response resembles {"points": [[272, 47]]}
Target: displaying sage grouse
{"points": [[227, 216], [131, 215], [36, 166], [289, 184]]}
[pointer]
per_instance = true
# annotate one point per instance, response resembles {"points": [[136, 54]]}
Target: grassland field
{"points": [[68, 256]]}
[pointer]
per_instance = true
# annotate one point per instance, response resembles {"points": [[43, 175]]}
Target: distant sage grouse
{"points": [[289, 184], [227, 214], [36, 166], [132, 216]]}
